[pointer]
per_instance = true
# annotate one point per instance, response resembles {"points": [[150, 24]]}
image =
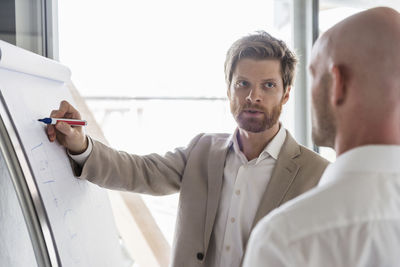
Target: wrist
{"points": [[80, 149]]}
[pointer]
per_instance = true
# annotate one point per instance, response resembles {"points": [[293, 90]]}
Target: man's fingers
{"points": [[51, 132], [57, 114], [63, 132], [64, 128], [67, 108]]}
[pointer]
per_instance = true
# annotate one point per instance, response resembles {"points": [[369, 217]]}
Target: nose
{"points": [[254, 96]]}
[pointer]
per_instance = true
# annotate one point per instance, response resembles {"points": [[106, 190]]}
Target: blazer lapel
{"points": [[282, 177], [216, 163]]}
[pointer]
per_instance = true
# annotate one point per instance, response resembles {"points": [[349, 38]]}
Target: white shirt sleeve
{"points": [[80, 159], [267, 246]]}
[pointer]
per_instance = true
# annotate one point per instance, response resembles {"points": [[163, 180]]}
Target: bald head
{"points": [[367, 45], [360, 57]]}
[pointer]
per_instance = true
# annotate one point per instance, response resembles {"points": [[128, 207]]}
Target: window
{"points": [[153, 71], [22, 24]]}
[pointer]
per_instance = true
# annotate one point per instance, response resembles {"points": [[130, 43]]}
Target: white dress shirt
{"points": [[351, 219], [243, 186]]}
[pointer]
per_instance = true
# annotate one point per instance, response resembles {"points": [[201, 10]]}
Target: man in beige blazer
{"points": [[227, 183]]}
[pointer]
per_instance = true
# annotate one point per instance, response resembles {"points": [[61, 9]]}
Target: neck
{"points": [[252, 144], [378, 134]]}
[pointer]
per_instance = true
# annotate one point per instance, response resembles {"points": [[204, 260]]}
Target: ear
{"points": [[228, 92], [286, 95], [338, 89]]}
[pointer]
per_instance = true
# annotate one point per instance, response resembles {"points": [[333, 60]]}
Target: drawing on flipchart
{"points": [[50, 167], [49, 172], [75, 249], [45, 174]]}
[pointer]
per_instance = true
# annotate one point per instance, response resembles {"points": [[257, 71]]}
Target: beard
{"points": [[323, 119], [256, 125]]}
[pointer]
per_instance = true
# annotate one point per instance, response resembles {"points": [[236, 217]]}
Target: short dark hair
{"points": [[261, 45]]}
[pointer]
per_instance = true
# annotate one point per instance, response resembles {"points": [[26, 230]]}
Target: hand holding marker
{"points": [[73, 138], [72, 122]]}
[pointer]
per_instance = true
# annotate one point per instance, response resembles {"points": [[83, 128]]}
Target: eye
{"points": [[269, 85], [241, 84]]}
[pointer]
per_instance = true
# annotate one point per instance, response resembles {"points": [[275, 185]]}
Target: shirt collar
{"points": [[273, 148], [371, 158]]}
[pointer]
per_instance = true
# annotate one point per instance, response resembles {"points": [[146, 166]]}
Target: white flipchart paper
{"points": [[79, 212]]}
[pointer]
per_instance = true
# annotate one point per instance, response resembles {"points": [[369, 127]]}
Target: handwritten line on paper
{"points": [[36, 146]]}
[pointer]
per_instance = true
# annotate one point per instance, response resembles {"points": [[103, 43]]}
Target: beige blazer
{"points": [[197, 172]]}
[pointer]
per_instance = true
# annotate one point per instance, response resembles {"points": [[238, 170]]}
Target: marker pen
{"points": [[71, 122]]}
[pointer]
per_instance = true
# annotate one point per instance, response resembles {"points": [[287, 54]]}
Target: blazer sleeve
{"points": [[151, 174]]}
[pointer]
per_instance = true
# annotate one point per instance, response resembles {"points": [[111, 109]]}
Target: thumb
{"points": [[64, 128]]}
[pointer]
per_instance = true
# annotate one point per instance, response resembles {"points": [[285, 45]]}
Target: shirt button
{"points": [[228, 248], [237, 192], [232, 219], [200, 256]]}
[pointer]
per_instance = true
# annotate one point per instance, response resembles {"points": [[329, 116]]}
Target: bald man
{"points": [[352, 218]]}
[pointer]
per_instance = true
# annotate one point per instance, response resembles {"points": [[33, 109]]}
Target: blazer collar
{"points": [[281, 179], [216, 163]]}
